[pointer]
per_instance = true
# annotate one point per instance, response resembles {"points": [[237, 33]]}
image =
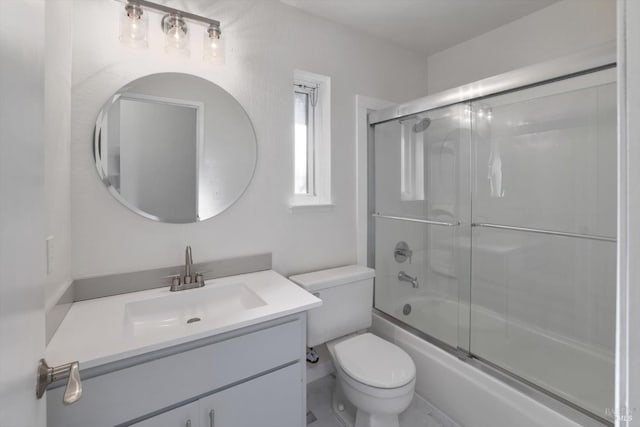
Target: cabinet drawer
{"points": [[126, 394]]}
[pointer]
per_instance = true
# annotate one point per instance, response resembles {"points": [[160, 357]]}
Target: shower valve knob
{"points": [[402, 252]]}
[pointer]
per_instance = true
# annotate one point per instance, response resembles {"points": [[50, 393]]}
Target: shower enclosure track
{"points": [[595, 59]]}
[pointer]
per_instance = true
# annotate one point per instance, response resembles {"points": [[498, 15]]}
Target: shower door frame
{"points": [[590, 61]]}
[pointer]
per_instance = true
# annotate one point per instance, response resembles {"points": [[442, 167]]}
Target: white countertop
{"points": [[95, 332]]}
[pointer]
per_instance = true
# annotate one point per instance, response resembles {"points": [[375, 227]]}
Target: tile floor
{"points": [[319, 403], [419, 414]]}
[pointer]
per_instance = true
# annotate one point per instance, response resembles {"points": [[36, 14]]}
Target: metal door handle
{"points": [[48, 375], [212, 418]]}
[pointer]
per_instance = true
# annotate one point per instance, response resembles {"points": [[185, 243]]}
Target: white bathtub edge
{"points": [[467, 395]]}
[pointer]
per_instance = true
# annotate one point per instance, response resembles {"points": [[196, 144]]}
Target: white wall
{"points": [[57, 122], [266, 42], [563, 28]]}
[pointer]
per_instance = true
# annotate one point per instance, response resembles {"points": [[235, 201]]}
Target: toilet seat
{"points": [[374, 362]]}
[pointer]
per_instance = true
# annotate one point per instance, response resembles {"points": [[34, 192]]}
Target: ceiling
{"points": [[425, 26]]}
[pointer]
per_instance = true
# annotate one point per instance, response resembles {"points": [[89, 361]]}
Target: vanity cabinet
{"points": [[182, 416], [250, 377]]}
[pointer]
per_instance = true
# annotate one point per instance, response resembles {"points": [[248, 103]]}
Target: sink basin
{"points": [[183, 308]]}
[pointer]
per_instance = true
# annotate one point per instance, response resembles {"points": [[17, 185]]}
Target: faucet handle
{"points": [[176, 279], [402, 252], [200, 276], [199, 279]]}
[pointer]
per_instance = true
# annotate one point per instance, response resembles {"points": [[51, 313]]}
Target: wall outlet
{"points": [[50, 258]]}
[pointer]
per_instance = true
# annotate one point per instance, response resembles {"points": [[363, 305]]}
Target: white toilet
{"points": [[374, 375]]}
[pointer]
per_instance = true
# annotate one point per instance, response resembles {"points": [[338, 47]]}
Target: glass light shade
{"points": [[213, 48], [177, 40], [133, 28]]}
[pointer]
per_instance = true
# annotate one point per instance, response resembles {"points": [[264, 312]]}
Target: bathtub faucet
{"points": [[404, 277]]}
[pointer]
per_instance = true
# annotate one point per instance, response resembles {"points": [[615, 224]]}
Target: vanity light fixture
{"points": [[133, 30], [177, 40], [213, 46], [133, 26]]}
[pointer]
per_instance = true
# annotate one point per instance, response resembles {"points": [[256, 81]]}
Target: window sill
{"points": [[311, 207]]}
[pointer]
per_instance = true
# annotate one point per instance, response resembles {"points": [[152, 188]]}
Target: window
{"points": [[412, 155], [306, 101], [312, 144]]}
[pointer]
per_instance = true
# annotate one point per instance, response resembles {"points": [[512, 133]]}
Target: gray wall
{"points": [[158, 144]]}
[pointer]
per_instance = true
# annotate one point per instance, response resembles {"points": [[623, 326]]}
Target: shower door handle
{"points": [[418, 220]]}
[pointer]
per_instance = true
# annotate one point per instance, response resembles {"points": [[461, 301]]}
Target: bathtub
{"points": [[472, 397]]}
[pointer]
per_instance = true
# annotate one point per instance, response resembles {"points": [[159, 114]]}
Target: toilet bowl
{"points": [[374, 376]]}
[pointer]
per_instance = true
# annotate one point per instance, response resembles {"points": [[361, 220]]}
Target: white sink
{"points": [[185, 308]]}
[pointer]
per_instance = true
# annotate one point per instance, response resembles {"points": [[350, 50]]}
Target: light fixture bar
{"points": [[170, 10]]}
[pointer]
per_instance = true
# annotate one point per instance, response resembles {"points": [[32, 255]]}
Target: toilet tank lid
{"points": [[324, 279]]}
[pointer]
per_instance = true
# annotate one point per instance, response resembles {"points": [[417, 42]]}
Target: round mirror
{"points": [[174, 148]]}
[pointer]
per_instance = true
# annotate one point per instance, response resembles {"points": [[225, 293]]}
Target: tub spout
{"points": [[404, 277]]}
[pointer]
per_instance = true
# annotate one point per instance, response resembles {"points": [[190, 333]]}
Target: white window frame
{"points": [[319, 148]]}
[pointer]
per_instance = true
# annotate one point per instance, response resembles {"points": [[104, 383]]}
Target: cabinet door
{"points": [[272, 400], [183, 416]]}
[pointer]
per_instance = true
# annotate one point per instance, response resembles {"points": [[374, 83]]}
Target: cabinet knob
{"points": [[188, 423], [212, 418]]}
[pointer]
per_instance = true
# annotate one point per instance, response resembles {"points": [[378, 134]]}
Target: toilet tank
{"points": [[347, 299]]}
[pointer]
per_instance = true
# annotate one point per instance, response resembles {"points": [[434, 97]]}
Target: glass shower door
{"points": [[543, 236], [422, 222]]}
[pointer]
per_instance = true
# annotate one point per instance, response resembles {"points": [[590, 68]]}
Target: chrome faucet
{"points": [[188, 262], [404, 277], [188, 281]]}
